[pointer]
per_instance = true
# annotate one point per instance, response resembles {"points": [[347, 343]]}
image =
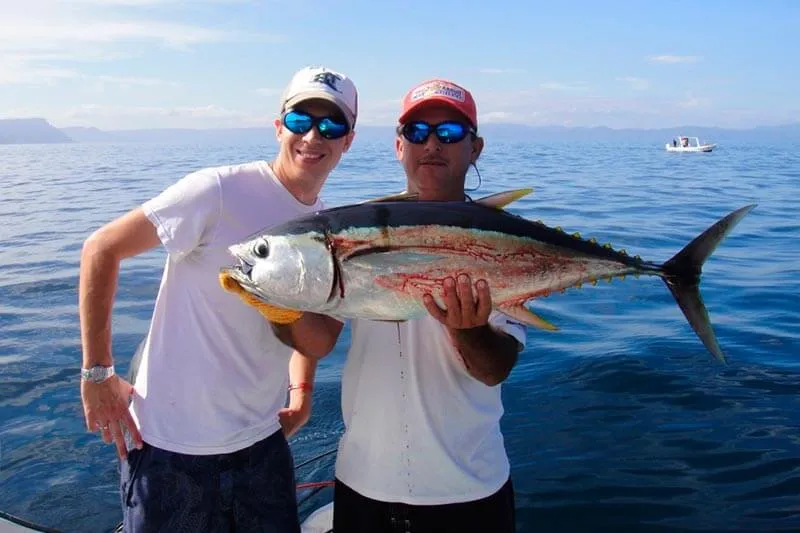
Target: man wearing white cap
{"points": [[199, 431]]}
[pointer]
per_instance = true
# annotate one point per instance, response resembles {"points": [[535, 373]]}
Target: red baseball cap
{"points": [[441, 92]]}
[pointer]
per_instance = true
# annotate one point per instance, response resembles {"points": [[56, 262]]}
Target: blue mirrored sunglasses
{"points": [[328, 127], [447, 132]]}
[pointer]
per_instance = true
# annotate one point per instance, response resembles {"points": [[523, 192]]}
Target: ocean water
{"points": [[621, 421]]}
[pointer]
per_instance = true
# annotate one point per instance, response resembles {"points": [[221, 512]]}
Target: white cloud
{"points": [[38, 36], [497, 116], [674, 59], [530, 107], [501, 70], [130, 3], [691, 102], [565, 86], [267, 91], [112, 117], [55, 35], [91, 111], [132, 81], [637, 84], [16, 71], [379, 112]]}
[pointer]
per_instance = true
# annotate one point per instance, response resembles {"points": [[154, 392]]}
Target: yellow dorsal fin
{"points": [[524, 315], [404, 195], [501, 199]]}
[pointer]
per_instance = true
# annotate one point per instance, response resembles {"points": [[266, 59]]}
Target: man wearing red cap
{"points": [[422, 449]]}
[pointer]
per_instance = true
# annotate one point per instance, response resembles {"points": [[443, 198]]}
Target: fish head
{"points": [[294, 271]]}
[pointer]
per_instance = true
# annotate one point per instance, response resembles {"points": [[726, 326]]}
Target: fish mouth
{"points": [[237, 280]]}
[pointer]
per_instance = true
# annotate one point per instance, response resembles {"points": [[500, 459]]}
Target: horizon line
{"points": [[516, 124]]}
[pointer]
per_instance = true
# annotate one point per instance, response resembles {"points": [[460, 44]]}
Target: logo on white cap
{"points": [[328, 78]]}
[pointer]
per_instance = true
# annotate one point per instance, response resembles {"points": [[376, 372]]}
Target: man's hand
{"points": [[464, 310], [105, 408], [295, 416], [488, 355]]}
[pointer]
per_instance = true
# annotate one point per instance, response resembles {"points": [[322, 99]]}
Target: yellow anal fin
{"points": [[501, 199], [274, 314], [526, 316]]}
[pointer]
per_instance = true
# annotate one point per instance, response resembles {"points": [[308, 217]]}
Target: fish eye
{"points": [[261, 249]]}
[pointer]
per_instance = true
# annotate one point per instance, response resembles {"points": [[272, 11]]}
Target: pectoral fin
{"points": [[389, 258], [526, 316]]}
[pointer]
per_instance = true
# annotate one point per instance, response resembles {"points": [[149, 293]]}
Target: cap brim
{"points": [[321, 95], [433, 101]]}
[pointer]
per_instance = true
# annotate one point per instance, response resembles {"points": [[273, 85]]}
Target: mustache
{"points": [[431, 159]]}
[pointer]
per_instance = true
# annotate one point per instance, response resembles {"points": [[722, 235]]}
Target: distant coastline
{"points": [[40, 131]]}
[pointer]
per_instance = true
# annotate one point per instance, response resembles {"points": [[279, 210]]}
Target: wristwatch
{"points": [[97, 374]]}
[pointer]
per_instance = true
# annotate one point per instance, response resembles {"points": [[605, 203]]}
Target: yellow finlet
{"points": [[273, 314], [526, 316], [501, 199]]}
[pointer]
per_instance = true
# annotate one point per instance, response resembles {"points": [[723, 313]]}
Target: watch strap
{"points": [[97, 373]]}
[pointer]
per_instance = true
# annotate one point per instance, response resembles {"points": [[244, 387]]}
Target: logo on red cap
{"points": [[438, 88]]}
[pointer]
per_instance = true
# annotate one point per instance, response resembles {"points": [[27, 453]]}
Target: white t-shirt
{"points": [[213, 376], [419, 429]]}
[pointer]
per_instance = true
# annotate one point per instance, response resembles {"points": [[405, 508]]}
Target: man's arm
{"points": [[301, 388], [488, 355], [105, 404], [312, 334]]}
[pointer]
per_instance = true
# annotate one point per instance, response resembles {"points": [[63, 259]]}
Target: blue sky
{"points": [[120, 64]]}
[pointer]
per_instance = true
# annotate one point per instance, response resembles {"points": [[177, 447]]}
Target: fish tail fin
{"points": [[682, 276]]}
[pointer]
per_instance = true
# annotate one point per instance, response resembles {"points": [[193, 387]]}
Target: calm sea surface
{"points": [[621, 421]]}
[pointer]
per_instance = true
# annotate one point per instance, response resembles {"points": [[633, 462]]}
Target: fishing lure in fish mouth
{"points": [[377, 259]]}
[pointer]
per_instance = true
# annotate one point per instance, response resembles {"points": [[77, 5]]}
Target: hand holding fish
{"points": [[488, 355], [105, 407], [463, 309]]}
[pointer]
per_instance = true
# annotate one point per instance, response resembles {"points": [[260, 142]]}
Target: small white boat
{"points": [[688, 144]]}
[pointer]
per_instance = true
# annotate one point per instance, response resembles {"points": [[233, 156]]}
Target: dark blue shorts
{"points": [[251, 490]]}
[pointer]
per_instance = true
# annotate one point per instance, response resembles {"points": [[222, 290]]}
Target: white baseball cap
{"points": [[325, 84]]}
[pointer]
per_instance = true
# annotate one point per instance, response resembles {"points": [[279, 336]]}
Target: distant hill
{"points": [[173, 135], [491, 131], [30, 130], [762, 134]]}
